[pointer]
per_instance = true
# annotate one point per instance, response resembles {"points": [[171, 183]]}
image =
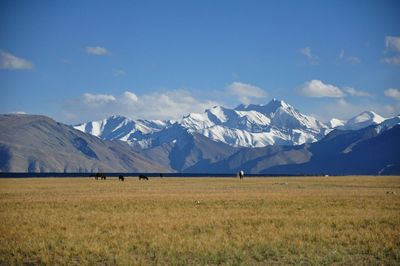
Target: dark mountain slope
{"points": [[186, 152], [366, 151]]}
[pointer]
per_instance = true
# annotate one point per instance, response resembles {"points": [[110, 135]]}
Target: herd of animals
{"points": [[102, 176]]}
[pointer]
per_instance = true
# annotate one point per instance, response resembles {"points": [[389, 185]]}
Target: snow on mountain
{"points": [[334, 123], [256, 125], [388, 124], [244, 126], [122, 128], [247, 125], [362, 120]]}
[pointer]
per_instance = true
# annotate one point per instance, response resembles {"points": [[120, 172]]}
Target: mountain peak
{"points": [[276, 103], [368, 116], [118, 117], [266, 109], [363, 119], [334, 122]]}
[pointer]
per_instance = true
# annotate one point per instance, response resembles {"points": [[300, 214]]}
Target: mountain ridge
{"points": [[34, 143], [30, 143], [253, 125]]}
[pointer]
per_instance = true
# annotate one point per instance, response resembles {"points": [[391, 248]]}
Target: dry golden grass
{"points": [[314, 220]]}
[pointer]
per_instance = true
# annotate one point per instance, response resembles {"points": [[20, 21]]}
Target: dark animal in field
{"points": [[100, 175], [121, 178], [143, 177], [161, 175]]}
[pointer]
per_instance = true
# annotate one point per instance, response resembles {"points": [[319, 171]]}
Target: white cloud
{"points": [[98, 99], [312, 58], [394, 60], [394, 93], [353, 59], [246, 92], [130, 96], [12, 62], [349, 58], [171, 104], [19, 113], [97, 50], [392, 43], [354, 92], [318, 89]]}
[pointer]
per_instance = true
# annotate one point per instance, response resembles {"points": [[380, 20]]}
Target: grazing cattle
{"points": [[161, 175], [241, 174], [121, 178], [143, 177], [100, 175]]}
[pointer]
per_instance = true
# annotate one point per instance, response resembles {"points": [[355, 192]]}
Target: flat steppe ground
{"points": [[185, 221]]}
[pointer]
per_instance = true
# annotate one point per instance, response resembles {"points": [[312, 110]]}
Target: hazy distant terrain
{"points": [[30, 143], [304, 221]]}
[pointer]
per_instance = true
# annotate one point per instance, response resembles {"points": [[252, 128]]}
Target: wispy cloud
{"points": [[393, 93], [394, 60], [312, 58], [353, 92], [98, 99], [246, 93], [349, 58], [130, 97], [318, 89], [392, 47], [97, 50], [12, 62], [19, 113], [392, 43]]}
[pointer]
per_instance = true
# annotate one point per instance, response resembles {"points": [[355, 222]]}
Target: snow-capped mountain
{"points": [[334, 123], [247, 126], [122, 128], [256, 125], [362, 120], [388, 124], [244, 126]]}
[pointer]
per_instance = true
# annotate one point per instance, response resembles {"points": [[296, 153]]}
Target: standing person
{"points": [[241, 174]]}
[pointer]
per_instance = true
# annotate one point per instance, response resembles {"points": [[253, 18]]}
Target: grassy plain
{"points": [[171, 221]]}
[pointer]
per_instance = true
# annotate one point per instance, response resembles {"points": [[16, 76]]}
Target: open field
{"points": [[313, 220]]}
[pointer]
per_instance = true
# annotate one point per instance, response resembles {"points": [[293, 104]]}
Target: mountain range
{"points": [[276, 123], [274, 138]]}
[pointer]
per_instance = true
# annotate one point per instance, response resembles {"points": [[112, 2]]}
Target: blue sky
{"points": [[83, 60]]}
